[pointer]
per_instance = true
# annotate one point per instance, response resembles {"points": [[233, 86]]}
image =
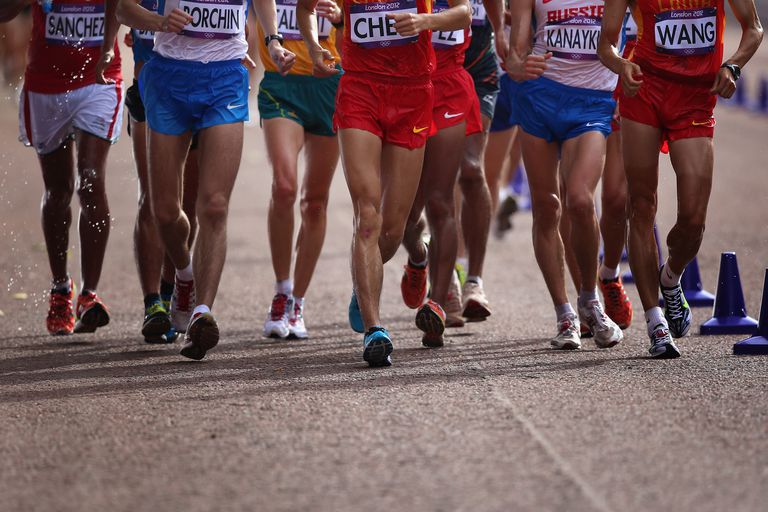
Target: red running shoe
{"points": [[413, 286], [617, 305], [430, 319], [91, 313], [61, 313]]}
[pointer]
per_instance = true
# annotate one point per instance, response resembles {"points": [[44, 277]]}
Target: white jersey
{"points": [[570, 30], [216, 33]]}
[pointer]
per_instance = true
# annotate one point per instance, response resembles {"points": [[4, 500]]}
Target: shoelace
{"points": [[184, 294], [659, 334], [614, 293], [61, 307], [601, 319], [414, 275], [277, 311], [674, 304], [297, 313]]}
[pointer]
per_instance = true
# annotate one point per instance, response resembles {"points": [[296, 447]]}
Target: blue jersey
{"points": [[144, 40]]}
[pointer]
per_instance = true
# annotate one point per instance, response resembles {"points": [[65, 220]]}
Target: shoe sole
{"points": [[454, 323], [92, 319], [670, 352], [429, 322], [475, 312], [431, 340], [294, 336], [377, 353], [156, 327], [203, 335], [61, 332], [677, 335], [565, 346], [276, 335]]}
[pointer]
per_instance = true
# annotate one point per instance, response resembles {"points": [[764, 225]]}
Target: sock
{"points": [[166, 289], [668, 278], [654, 317], [185, 274], [299, 301], [564, 310], [201, 309], [464, 262], [587, 296], [284, 286], [418, 264], [87, 291], [150, 299], [607, 273], [64, 287], [475, 279]]}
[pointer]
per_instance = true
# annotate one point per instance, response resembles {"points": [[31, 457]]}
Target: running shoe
{"points": [[91, 313], [202, 335], [476, 308], [662, 346], [296, 327], [430, 319], [606, 333], [355, 316], [157, 323], [61, 313], [171, 336], [413, 285], [377, 347], [182, 304], [276, 324], [507, 208], [567, 337], [676, 310], [462, 273], [453, 307], [617, 305], [584, 331]]}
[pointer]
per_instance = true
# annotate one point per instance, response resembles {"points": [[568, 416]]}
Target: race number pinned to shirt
{"points": [[630, 27], [213, 19], [445, 40], [686, 32], [574, 39], [372, 29], [75, 25], [478, 12], [288, 26], [147, 36]]}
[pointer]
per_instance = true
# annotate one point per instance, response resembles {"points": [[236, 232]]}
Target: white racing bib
{"points": [[75, 25], [478, 12], [214, 19], [686, 32], [574, 38], [372, 29], [630, 27], [445, 40], [288, 26], [147, 35]]}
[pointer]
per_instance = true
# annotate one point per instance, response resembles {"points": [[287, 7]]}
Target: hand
{"points": [[328, 10], [175, 21], [631, 77], [323, 63], [532, 67], [101, 67], [502, 45], [724, 84], [282, 58], [617, 114], [248, 62], [128, 39], [409, 24]]}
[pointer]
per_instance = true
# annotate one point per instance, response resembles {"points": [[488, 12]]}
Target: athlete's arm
{"points": [[9, 9], [608, 51], [751, 36], [457, 17], [323, 63], [111, 26], [494, 9], [267, 16], [130, 13], [521, 64]]}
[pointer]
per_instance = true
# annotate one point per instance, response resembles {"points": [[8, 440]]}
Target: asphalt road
{"points": [[494, 421]]}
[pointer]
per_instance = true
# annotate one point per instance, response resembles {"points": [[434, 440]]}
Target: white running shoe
{"points": [[276, 325], [476, 308], [453, 307], [568, 334], [662, 346], [296, 327], [604, 330], [182, 304]]}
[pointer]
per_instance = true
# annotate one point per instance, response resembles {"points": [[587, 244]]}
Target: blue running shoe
{"points": [[377, 347], [355, 317], [171, 336], [677, 312]]}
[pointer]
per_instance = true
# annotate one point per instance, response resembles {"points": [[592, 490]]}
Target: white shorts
{"points": [[47, 120]]}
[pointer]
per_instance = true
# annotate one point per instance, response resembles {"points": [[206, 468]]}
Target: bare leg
{"points": [[59, 178], [188, 205], [476, 211], [613, 221], [497, 157]]}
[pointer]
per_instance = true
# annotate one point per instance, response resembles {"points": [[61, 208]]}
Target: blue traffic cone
{"points": [[757, 344], [730, 313], [693, 290]]}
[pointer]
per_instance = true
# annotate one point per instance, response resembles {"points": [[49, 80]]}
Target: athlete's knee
{"points": [[284, 191], [547, 211], [313, 209], [691, 224], [580, 205], [212, 209], [368, 222], [145, 208], [59, 197], [472, 173], [643, 207], [614, 207], [440, 207], [91, 185]]}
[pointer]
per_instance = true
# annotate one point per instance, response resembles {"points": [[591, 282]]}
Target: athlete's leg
{"points": [[59, 179], [566, 231], [613, 218], [94, 224], [188, 205], [220, 150], [322, 156], [497, 157]]}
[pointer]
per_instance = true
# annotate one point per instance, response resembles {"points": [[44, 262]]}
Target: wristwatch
{"points": [[274, 37], [735, 70]]}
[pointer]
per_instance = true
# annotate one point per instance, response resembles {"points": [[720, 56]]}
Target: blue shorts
{"points": [[187, 96], [556, 112], [505, 115]]}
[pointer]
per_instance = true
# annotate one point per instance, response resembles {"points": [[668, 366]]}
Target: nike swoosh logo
{"points": [[232, 107], [419, 130], [451, 116], [595, 124], [546, 1], [705, 123]]}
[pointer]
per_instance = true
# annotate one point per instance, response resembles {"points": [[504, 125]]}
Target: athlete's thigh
{"points": [[400, 176], [693, 162], [284, 139], [442, 160], [541, 165], [614, 179], [167, 154], [321, 153], [640, 148], [474, 148], [92, 154], [582, 161], [140, 155], [219, 153], [361, 154]]}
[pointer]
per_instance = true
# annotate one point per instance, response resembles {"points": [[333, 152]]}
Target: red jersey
{"points": [[680, 39], [449, 46], [373, 46], [65, 46]]}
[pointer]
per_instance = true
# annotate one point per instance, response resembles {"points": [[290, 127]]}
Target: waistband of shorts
{"points": [[299, 78], [373, 77], [698, 81], [569, 89], [450, 70], [196, 64]]}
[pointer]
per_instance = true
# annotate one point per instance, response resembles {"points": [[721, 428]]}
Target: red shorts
{"points": [[398, 112], [681, 111], [455, 102]]}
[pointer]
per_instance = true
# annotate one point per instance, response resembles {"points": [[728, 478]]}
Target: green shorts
{"points": [[307, 100]]}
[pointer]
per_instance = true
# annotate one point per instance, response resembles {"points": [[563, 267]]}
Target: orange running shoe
{"points": [[414, 285], [617, 305], [61, 313], [91, 313], [431, 320]]}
